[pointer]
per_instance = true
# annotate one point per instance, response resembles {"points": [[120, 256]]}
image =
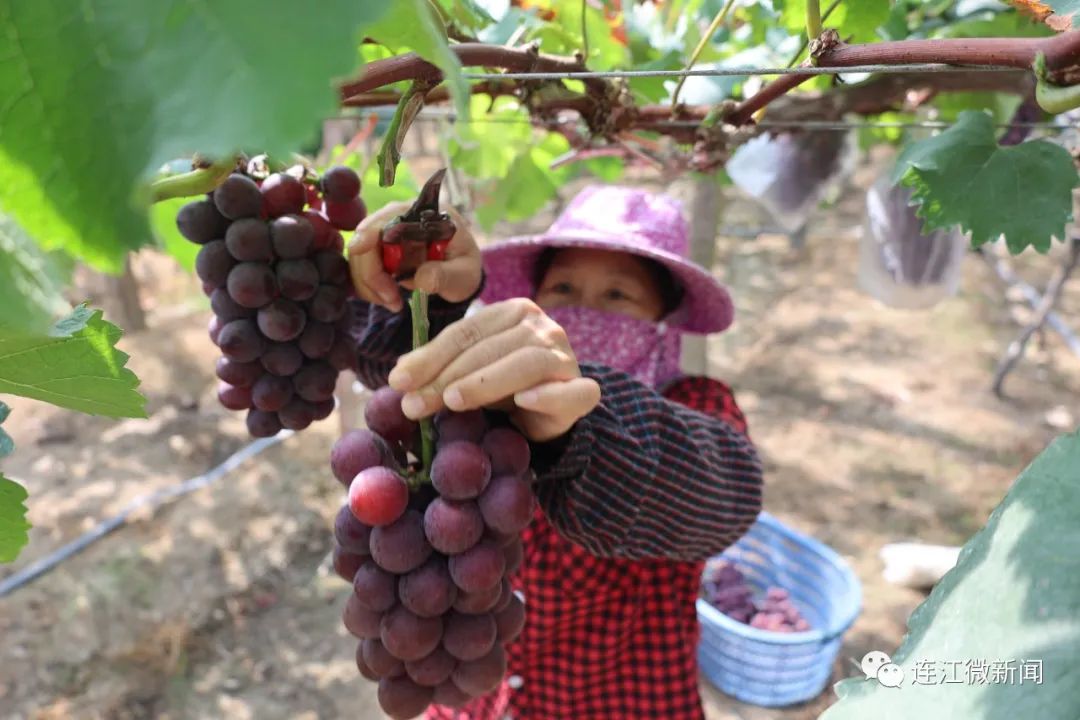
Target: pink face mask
{"points": [[647, 350]]}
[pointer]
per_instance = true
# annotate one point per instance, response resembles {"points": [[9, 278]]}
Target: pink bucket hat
{"points": [[624, 220]]}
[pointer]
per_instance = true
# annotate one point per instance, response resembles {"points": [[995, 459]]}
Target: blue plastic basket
{"points": [[774, 669]]}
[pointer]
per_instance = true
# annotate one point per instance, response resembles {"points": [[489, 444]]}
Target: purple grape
{"points": [[283, 195], [345, 215], [239, 374], [271, 393], [238, 197], [346, 563], [408, 636], [292, 237], [342, 356], [379, 659], [213, 263], [226, 308], [298, 414], [374, 587], [428, 590], [234, 398], [262, 424], [240, 341], [383, 415], [479, 567], [469, 637], [510, 621], [356, 451], [460, 471], [340, 184], [249, 240], [333, 269], [479, 602], [316, 340], [213, 328], [468, 426], [433, 669], [359, 621], [400, 697], [514, 554], [351, 535], [507, 504], [508, 450], [282, 320], [453, 527], [282, 359], [316, 381], [328, 303], [401, 546], [200, 222], [479, 677], [298, 279], [323, 408], [252, 284]]}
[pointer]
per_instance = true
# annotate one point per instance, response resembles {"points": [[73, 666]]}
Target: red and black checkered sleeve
{"points": [[646, 476], [380, 337]]}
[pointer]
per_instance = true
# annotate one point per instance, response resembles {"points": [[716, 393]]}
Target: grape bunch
{"points": [[430, 563], [271, 262], [726, 589]]}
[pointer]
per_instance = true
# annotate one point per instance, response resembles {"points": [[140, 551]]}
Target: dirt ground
{"points": [[875, 425]]}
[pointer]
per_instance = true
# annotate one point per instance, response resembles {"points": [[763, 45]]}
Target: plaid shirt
{"points": [[631, 502]]}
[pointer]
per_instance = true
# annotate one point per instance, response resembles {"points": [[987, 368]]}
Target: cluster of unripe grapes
{"points": [[271, 262], [430, 562], [726, 589]]}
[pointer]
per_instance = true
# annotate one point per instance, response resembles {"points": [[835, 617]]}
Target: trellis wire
{"points": [[153, 500], [740, 71]]}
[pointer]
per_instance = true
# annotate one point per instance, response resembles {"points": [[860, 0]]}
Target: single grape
{"points": [[213, 328], [408, 636], [282, 320], [226, 308], [346, 563], [342, 356], [401, 698], [297, 414], [328, 303], [249, 240], [271, 393], [507, 504], [510, 621], [252, 284], [359, 621], [234, 398], [316, 381], [450, 695], [376, 588], [323, 232], [479, 677], [292, 237], [200, 222], [283, 195], [433, 669], [351, 535], [453, 526], [316, 340], [362, 666], [508, 450], [460, 470], [356, 451], [337, 243], [333, 268], [505, 596], [238, 197], [213, 264], [298, 279], [241, 375], [479, 602], [428, 590], [282, 359], [378, 496], [340, 184], [468, 426], [323, 408], [400, 546], [514, 554], [468, 637], [345, 215], [379, 659], [240, 341], [383, 415], [262, 424], [478, 568]]}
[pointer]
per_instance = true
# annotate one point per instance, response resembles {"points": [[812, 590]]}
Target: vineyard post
{"points": [[704, 209]]}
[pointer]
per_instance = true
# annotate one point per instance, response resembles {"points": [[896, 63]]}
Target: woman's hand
{"points": [[509, 355], [454, 279]]}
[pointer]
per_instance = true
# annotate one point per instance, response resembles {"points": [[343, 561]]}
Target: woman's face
{"points": [[602, 280]]}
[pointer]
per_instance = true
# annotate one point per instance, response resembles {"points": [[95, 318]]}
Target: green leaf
{"points": [[466, 14], [99, 94], [80, 370], [963, 177], [1001, 106], [528, 185], [7, 445], [416, 25], [1014, 595], [13, 524], [859, 19], [486, 147], [163, 222], [31, 281]]}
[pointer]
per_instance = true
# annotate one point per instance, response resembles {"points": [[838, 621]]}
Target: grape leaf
{"points": [[81, 370], [1014, 595], [163, 223], [528, 184], [97, 95], [1060, 15], [486, 147], [418, 26], [963, 177], [31, 281], [7, 445], [13, 524]]}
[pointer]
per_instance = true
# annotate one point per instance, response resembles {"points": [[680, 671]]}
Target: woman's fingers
{"points": [[550, 409], [371, 281], [453, 279]]}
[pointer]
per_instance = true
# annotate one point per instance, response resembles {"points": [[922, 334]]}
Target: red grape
{"points": [[282, 195], [316, 340], [351, 535], [213, 264], [323, 408], [292, 237], [214, 329], [468, 637], [359, 621], [433, 669], [479, 677], [401, 698], [322, 232], [238, 197], [376, 588], [249, 240], [468, 426], [340, 184], [510, 620], [508, 450], [271, 393], [505, 596], [226, 308], [507, 504], [400, 546], [345, 215], [282, 320], [479, 567], [450, 695], [297, 414], [262, 424], [316, 381], [282, 359], [383, 415], [234, 398], [408, 636], [238, 374], [428, 590], [460, 471], [378, 496], [451, 526], [480, 602], [379, 659], [342, 356], [200, 222], [298, 279], [328, 303], [356, 451], [240, 341], [252, 284], [333, 268], [362, 665], [346, 563]]}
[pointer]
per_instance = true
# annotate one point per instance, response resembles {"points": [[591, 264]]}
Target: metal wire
{"points": [[740, 71]]}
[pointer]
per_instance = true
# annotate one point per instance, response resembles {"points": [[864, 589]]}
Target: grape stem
{"points": [[196, 182], [412, 101], [418, 308]]}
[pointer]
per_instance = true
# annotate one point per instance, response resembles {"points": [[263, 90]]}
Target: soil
{"points": [[875, 426]]}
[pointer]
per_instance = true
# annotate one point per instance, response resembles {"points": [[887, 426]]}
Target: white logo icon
{"points": [[890, 675], [872, 663]]}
